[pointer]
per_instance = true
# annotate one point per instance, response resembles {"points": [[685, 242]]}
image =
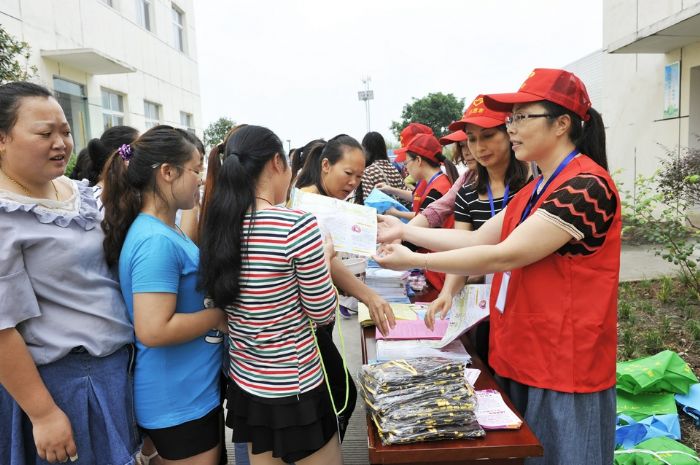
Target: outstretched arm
{"points": [[530, 242]]}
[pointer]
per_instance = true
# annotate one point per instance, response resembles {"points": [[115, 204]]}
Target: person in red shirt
{"points": [[423, 157], [555, 252]]}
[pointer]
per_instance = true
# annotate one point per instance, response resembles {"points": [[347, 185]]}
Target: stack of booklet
{"points": [[389, 284]]}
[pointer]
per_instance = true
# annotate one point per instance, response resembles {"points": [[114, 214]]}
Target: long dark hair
{"points": [[333, 150], [214, 161], [99, 149], [11, 95], [588, 136], [221, 255], [516, 174], [375, 147], [125, 185]]}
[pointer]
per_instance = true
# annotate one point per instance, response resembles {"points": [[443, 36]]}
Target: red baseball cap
{"points": [[425, 145], [411, 130], [478, 114], [451, 138], [555, 85]]}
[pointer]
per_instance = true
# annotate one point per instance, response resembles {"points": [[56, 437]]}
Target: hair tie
{"points": [[125, 152]]}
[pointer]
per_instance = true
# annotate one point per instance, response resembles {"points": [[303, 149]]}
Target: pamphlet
{"points": [[468, 308], [352, 227], [493, 413]]}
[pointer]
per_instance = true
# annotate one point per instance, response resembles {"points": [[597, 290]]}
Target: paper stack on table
{"points": [[395, 350], [389, 284], [493, 413], [414, 329]]}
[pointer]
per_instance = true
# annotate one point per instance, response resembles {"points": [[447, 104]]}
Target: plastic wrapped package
{"points": [[424, 399]]}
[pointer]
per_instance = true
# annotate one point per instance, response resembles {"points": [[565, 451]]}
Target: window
{"points": [[112, 109], [151, 112], [144, 11], [186, 121], [107, 2], [178, 29]]}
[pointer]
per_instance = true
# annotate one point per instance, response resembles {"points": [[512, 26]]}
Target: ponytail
{"points": [[592, 140], [100, 149], [122, 204], [221, 254], [450, 168], [310, 173], [247, 151], [213, 166], [588, 136], [129, 174]]}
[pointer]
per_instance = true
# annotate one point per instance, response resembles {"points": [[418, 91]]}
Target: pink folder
{"points": [[415, 329]]}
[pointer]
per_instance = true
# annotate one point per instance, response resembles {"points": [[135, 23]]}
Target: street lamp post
{"points": [[365, 96], [289, 145]]}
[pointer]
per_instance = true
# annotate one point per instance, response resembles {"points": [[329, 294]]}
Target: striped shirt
{"points": [[380, 171], [285, 284], [469, 208]]}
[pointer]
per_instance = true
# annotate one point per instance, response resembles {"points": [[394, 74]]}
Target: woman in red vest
{"points": [[422, 157], [555, 252]]}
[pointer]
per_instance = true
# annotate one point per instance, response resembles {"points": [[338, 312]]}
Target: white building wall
{"points": [[638, 136], [163, 75]]}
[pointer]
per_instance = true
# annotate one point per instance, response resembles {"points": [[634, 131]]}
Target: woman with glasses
{"points": [[179, 349], [555, 252], [499, 177]]}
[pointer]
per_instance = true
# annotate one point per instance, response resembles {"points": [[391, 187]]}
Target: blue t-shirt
{"points": [[177, 383]]}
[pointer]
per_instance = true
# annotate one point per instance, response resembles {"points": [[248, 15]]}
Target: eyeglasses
{"points": [[516, 118]]}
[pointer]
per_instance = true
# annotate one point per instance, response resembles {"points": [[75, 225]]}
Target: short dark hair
{"points": [[11, 95]]}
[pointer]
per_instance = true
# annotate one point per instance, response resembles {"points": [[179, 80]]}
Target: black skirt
{"points": [[292, 428]]}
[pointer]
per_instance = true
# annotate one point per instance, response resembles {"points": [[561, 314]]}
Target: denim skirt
{"points": [[96, 393]]}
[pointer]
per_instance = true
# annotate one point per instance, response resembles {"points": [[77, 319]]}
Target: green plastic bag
{"points": [[663, 372], [641, 406], [657, 451]]}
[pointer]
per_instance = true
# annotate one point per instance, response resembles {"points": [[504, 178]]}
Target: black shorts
{"points": [[190, 438]]}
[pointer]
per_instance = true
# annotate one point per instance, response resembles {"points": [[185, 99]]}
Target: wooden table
{"points": [[496, 448]]}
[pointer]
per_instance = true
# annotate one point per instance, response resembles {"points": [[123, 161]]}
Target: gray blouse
{"points": [[55, 286]]}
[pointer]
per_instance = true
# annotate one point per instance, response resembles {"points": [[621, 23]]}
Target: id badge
{"points": [[503, 292]]}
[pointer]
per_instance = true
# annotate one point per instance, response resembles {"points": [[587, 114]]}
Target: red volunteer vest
{"points": [[559, 327], [442, 184]]}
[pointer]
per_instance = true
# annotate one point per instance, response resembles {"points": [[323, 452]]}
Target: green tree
{"points": [[436, 110], [11, 51], [216, 131]]}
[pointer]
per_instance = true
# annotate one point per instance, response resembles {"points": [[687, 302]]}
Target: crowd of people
{"points": [[161, 283]]}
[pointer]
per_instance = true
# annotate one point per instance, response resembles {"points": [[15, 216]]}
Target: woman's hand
{"points": [[381, 313], [389, 229], [441, 305], [384, 187], [53, 437], [398, 257], [328, 249]]}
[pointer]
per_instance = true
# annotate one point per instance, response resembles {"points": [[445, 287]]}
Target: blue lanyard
{"points": [[490, 194], [534, 197]]}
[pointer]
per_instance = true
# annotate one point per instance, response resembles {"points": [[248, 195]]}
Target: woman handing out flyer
{"points": [[553, 340]]}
